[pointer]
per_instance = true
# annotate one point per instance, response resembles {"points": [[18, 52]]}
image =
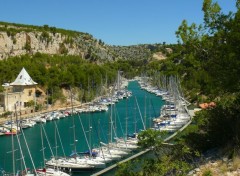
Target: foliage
{"points": [[54, 72], [12, 30], [206, 59], [128, 168], [207, 173], [27, 46], [223, 120], [6, 114], [152, 139], [38, 107], [62, 49], [167, 159], [30, 103], [216, 60]]}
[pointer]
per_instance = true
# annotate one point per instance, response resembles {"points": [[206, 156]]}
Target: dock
{"points": [[191, 114], [120, 162]]}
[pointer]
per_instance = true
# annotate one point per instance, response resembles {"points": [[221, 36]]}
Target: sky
{"points": [[116, 22]]}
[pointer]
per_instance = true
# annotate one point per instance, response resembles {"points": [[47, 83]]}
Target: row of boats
{"points": [[96, 157], [173, 115], [99, 105], [77, 161]]}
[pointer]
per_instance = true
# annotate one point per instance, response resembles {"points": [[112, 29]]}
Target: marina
{"points": [[174, 118], [117, 88], [94, 128]]}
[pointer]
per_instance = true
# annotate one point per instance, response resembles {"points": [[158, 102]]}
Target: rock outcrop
{"points": [[18, 39], [221, 166], [15, 41], [31, 42]]}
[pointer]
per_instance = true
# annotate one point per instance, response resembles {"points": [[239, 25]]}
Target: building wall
{"points": [[28, 94], [12, 99], [2, 104], [20, 96]]}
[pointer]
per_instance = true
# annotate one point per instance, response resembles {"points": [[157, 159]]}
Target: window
{"points": [[30, 93]]}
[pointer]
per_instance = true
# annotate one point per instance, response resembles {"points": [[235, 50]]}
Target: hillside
{"points": [[58, 59], [19, 39], [16, 39], [143, 51]]}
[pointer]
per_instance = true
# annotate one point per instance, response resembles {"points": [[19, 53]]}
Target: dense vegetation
{"points": [[13, 28], [207, 60], [55, 72], [164, 159], [97, 64]]}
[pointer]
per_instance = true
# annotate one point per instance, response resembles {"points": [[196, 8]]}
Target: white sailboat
{"points": [[46, 171]]}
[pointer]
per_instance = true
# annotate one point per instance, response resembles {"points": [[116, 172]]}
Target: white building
{"points": [[19, 93]]}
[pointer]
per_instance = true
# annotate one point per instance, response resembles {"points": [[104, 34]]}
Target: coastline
{"points": [[50, 109]]}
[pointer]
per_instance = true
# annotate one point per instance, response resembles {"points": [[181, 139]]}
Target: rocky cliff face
{"points": [[15, 41], [18, 39], [31, 42]]}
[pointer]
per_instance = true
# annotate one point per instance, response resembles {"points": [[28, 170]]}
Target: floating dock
{"points": [[191, 114]]}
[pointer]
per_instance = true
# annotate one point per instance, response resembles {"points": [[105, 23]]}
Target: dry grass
{"points": [[223, 168], [236, 163], [207, 172]]}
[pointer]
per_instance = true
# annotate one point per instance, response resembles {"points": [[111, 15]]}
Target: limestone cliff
{"points": [[17, 40]]}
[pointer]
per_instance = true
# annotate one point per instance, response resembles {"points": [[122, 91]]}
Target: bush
{"points": [[207, 173]]}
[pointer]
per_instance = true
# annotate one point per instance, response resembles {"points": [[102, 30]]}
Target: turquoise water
{"points": [[149, 104]]}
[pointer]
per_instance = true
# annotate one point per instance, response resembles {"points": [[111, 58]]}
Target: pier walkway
{"points": [[191, 114]]}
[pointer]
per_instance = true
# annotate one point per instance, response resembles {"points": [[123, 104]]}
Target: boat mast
{"points": [[44, 131], [144, 127], [110, 117], [115, 120], [84, 133], [135, 117], [90, 131], [149, 113], [145, 109], [99, 138], [74, 133], [29, 151], [56, 146], [59, 139], [126, 130], [13, 154], [20, 148], [43, 148], [89, 116], [111, 124]]}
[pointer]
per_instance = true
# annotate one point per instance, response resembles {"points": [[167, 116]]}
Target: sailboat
{"points": [[132, 139], [107, 156], [115, 148], [46, 171], [25, 171], [129, 139], [105, 151], [70, 163], [89, 160]]}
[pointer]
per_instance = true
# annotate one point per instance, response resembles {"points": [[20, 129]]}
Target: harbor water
{"points": [[96, 126]]}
